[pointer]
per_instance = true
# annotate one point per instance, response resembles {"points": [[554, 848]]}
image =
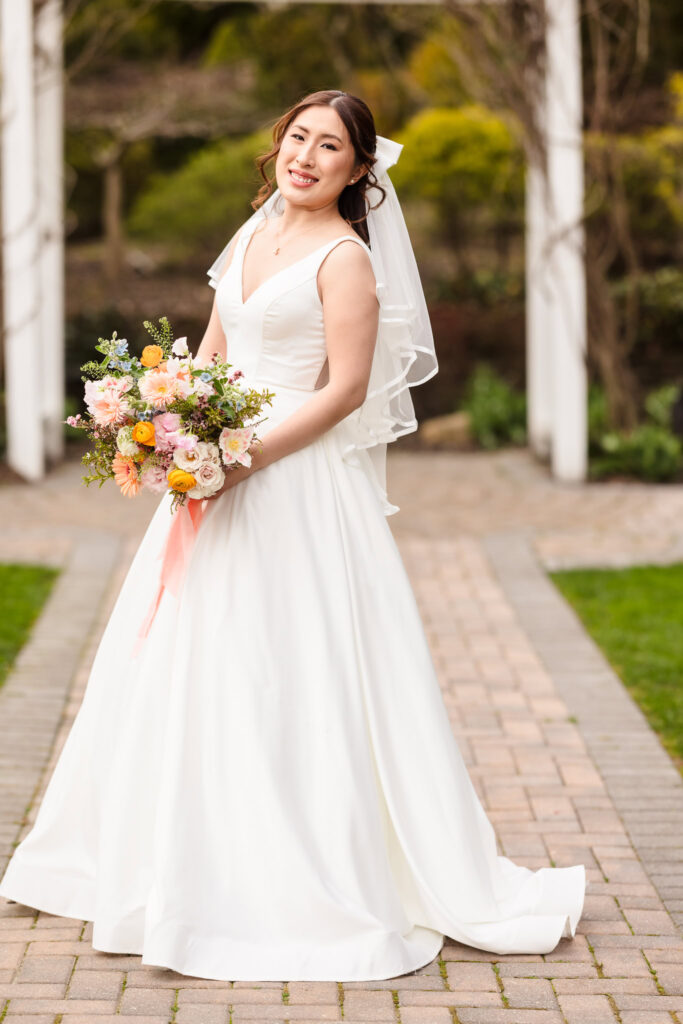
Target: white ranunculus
{"points": [[125, 443], [210, 478]]}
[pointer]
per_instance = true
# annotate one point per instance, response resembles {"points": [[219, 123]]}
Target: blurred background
{"points": [[167, 102]]}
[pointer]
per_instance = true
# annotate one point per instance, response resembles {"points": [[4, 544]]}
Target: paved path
{"points": [[567, 767]]}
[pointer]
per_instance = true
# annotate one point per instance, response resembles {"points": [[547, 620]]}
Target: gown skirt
{"points": [[270, 789]]}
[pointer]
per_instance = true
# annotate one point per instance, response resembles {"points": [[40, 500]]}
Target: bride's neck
{"points": [[295, 219]]}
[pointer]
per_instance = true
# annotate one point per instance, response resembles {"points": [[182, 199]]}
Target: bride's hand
{"points": [[233, 477], [236, 474]]}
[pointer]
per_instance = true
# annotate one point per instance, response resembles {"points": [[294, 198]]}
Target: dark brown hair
{"points": [[360, 124]]}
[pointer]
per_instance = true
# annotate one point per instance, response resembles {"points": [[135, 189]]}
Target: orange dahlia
{"points": [[126, 475]]}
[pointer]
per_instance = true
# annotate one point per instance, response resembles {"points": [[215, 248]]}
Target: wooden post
{"points": [[20, 239], [50, 154], [539, 361], [566, 263]]}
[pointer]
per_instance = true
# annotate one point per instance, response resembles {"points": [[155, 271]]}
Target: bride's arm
{"points": [[351, 318], [214, 336]]}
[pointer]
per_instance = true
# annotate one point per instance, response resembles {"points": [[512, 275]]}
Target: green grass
{"points": [[636, 617], [23, 592]]}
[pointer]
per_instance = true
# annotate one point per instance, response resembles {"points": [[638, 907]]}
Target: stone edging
{"points": [[640, 777], [35, 693]]}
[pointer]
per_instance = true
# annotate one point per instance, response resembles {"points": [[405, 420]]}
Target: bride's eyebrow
{"points": [[327, 135]]}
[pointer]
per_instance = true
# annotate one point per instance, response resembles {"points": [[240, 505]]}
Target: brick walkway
{"points": [[567, 767]]}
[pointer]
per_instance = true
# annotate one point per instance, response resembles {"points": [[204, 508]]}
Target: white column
{"points": [[566, 265], [50, 156], [25, 449], [539, 362]]}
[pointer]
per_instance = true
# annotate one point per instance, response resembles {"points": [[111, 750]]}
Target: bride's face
{"points": [[316, 160]]}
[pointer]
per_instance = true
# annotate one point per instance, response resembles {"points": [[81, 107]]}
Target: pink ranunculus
{"points": [[164, 424], [124, 383], [185, 441], [154, 478], [234, 444]]}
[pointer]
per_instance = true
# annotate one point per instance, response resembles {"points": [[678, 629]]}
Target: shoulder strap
{"points": [[325, 250], [342, 238]]}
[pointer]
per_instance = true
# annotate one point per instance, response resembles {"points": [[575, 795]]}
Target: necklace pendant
{"points": [[276, 251]]}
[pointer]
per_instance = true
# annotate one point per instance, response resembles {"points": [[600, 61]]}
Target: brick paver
{"points": [[562, 759]]}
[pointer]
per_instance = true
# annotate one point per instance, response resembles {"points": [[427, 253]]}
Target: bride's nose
{"points": [[305, 158]]}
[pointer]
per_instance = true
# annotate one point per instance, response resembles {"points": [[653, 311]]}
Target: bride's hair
{"points": [[360, 125]]}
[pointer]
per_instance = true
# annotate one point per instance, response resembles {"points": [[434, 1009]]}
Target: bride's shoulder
{"points": [[347, 267]]}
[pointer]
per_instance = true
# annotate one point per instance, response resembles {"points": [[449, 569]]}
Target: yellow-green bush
{"points": [[463, 159]]}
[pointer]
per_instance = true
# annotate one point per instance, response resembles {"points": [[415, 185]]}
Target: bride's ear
{"points": [[358, 173]]}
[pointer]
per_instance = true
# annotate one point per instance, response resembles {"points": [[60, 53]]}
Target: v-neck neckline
{"points": [[240, 278]]}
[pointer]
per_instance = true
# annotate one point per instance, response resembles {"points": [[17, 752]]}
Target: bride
{"points": [[268, 787]]}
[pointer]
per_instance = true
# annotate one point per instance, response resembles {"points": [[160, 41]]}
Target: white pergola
{"points": [[33, 244]]}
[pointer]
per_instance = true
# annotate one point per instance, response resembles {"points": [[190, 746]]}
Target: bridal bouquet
{"points": [[159, 422]]}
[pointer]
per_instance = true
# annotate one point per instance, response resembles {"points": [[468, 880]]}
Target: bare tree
{"points": [[500, 52]]}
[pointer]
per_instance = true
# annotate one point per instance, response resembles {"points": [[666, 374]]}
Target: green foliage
{"points": [[650, 452], [497, 413], [199, 206], [676, 93], [635, 616], [283, 45], [660, 300], [486, 287], [652, 168], [463, 160], [433, 68], [227, 43], [659, 404], [23, 592], [134, 30]]}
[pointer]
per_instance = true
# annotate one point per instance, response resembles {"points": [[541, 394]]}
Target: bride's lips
{"points": [[302, 184]]}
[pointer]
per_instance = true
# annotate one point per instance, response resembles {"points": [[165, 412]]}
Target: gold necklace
{"points": [[276, 250]]}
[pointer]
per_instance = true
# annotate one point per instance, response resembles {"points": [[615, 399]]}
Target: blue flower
{"points": [[121, 348], [205, 376]]}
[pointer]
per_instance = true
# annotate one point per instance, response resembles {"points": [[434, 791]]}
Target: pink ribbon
{"points": [[175, 554]]}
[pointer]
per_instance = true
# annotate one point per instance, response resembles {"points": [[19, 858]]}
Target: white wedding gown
{"points": [[270, 789]]}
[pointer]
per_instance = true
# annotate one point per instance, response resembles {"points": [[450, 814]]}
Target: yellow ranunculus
{"points": [[143, 432], [151, 355], [181, 481]]}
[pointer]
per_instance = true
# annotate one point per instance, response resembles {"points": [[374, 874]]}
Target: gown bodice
{"points": [[276, 336]]}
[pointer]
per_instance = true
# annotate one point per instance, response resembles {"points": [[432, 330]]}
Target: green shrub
{"points": [[497, 413], [649, 452], [198, 207], [660, 314]]}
